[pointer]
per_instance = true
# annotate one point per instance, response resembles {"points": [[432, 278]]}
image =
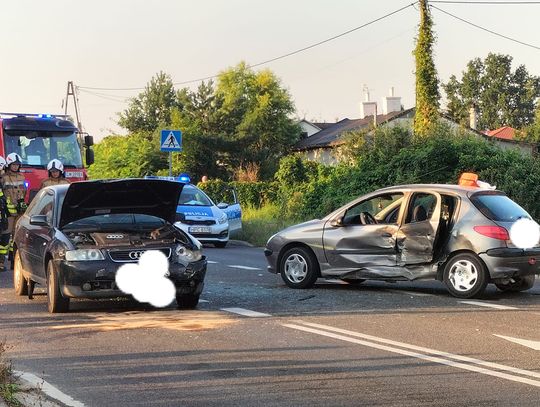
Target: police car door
{"points": [[232, 210]]}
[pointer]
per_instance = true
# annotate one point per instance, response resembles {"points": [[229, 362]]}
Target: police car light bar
{"points": [[40, 115]]}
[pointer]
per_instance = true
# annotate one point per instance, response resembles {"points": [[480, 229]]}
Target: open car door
{"points": [[417, 235]]}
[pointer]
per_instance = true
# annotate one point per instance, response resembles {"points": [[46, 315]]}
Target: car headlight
{"points": [[84, 255], [222, 219], [185, 255]]}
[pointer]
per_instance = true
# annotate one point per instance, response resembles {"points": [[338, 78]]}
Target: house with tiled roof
{"points": [[504, 133], [322, 146]]}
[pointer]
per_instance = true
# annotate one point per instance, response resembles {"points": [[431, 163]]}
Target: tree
{"points": [[255, 118], [501, 97], [152, 107], [427, 83]]}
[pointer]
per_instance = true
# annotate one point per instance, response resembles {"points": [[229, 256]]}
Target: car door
{"points": [[233, 210], [351, 242], [38, 236], [418, 232]]}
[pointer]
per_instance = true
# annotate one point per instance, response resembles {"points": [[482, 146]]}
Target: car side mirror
{"points": [[88, 140], [89, 156], [222, 205], [338, 222], [39, 220]]}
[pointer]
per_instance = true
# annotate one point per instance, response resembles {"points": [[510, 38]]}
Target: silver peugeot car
{"points": [[455, 234]]}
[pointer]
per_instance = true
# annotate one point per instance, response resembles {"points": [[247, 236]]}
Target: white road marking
{"points": [[413, 293], [457, 362], [525, 342], [487, 304], [48, 389], [211, 262], [246, 312], [201, 300], [235, 266]]}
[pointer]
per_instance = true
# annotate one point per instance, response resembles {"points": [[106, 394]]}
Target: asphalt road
{"points": [[253, 341]]}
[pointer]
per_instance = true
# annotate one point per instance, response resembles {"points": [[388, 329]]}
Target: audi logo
{"points": [[136, 255], [115, 236]]}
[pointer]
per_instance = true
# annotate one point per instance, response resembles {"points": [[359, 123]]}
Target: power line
{"points": [[271, 59], [491, 3], [119, 99], [485, 29]]}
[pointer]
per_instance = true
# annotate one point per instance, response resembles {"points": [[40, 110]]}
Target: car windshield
{"points": [[193, 196], [117, 222], [37, 148], [499, 207]]}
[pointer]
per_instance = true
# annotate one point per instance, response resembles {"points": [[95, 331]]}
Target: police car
{"points": [[198, 215]]}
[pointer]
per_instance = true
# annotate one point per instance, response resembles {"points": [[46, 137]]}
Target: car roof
{"points": [[459, 189]]}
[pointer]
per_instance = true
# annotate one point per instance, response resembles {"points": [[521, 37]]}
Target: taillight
{"points": [[495, 232]]}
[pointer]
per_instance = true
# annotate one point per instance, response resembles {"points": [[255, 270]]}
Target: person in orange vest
{"points": [[56, 174]]}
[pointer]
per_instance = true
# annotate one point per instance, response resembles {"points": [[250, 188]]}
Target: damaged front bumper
{"points": [[96, 279]]}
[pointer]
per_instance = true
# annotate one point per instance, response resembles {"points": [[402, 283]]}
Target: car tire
{"points": [[220, 245], [520, 284], [299, 268], [465, 275], [19, 282], [187, 301], [55, 301]]}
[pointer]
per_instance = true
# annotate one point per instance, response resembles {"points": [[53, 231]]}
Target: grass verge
{"points": [[8, 386], [259, 224]]}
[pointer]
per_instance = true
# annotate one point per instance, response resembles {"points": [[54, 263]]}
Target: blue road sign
{"points": [[171, 140]]}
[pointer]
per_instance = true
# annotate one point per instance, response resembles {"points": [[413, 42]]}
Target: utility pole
{"points": [[71, 92]]}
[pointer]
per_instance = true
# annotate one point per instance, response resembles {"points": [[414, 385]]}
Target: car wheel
{"points": [[187, 301], [518, 284], [299, 268], [465, 276], [19, 282], [353, 281], [220, 245], [55, 301]]}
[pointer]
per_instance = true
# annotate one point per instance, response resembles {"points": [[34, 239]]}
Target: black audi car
{"points": [[73, 238]]}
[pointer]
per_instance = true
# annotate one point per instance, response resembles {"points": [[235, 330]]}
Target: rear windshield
{"points": [[499, 207]]}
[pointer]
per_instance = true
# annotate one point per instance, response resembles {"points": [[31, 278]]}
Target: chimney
{"points": [[391, 103], [472, 117], [367, 107]]}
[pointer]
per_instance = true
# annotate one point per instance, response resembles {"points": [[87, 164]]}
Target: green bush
{"points": [[253, 194]]}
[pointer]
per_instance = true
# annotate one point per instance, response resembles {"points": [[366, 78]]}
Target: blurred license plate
{"points": [[199, 229]]}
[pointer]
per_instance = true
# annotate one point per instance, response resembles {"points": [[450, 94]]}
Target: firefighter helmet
{"points": [[13, 158], [55, 165]]}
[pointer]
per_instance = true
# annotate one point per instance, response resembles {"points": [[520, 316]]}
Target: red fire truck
{"points": [[38, 138]]}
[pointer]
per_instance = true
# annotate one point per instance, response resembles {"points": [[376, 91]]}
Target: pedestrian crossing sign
{"points": [[171, 140]]}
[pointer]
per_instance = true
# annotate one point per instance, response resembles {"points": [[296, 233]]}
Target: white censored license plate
{"points": [[199, 229]]}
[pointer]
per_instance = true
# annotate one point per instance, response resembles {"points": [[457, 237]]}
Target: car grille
{"points": [[199, 222], [133, 255]]}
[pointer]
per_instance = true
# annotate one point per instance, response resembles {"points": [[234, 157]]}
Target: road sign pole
{"points": [[170, 163]]}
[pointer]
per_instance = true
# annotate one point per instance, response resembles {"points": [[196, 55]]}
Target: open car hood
{"points": [[142, 196]]}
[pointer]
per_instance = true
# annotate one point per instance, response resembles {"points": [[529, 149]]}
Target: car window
{"points": [[193, 196], [44, 206], [31, 210], [498, 207], [384, 208], [421, 207]]}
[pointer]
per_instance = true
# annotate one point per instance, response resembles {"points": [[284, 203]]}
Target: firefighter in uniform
{"points": [[56, 174], [4, 221], [15, 191]]}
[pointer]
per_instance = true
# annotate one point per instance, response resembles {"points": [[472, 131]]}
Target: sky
{"points": [[123, 43]]}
